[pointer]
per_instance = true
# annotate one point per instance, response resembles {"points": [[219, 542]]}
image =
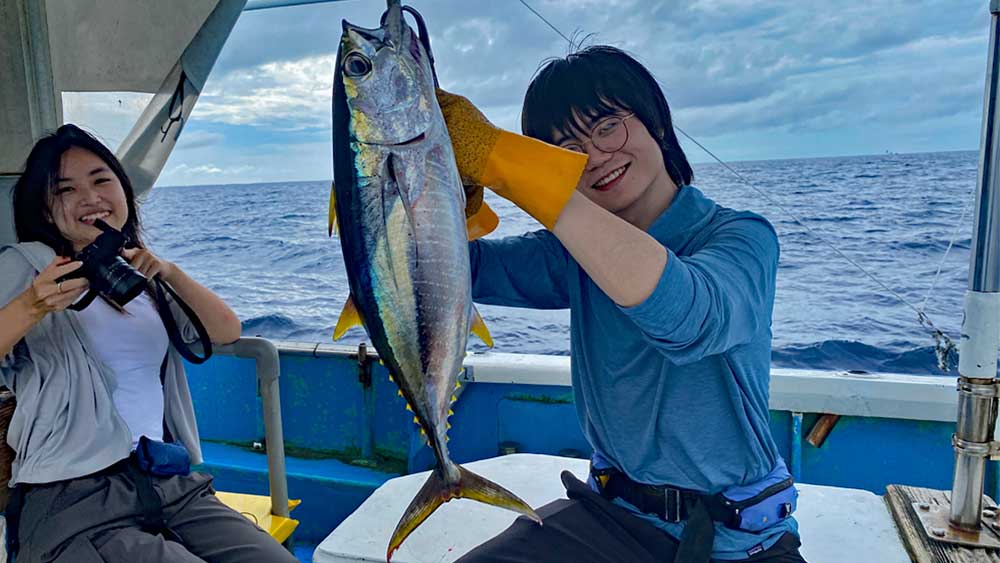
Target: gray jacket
{"points": [[65, 424]]}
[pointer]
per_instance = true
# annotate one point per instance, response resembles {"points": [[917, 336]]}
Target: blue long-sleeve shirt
{"points": [[673, 390]]}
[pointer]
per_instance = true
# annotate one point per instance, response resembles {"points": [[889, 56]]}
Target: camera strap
{"points": [[83, 302], [163, 306]]}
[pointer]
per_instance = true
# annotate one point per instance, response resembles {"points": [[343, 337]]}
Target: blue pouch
{"points": [[162, 459], [761, 505]]}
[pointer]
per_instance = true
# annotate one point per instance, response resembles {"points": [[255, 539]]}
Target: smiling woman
{"points": [[103, 402]]}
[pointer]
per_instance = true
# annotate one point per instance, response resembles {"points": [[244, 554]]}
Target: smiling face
{"points": [[631, 182], [86, 189]]}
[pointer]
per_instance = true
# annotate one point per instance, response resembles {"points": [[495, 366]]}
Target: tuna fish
{"points": [[399, 206]]}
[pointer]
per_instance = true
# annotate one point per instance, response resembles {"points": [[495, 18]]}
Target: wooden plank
{"points": [[921, 549]]}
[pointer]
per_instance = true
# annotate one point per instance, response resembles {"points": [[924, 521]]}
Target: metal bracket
{"points": [[935, 520], [977, 449], [364, 366], [981, 390]]}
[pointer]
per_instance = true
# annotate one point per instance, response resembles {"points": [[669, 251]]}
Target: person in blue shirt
{"points": [[670, 297]]}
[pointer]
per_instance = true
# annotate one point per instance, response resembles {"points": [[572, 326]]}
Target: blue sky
{"points": [[750, 80]]}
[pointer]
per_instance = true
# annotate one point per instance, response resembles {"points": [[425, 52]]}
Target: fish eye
{"points": [[356, 64]]}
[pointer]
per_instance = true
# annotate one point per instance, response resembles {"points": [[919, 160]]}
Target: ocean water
{"points": [[265, 250]]}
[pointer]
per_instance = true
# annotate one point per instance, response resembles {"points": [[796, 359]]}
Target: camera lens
{"points": [[119, 282]]}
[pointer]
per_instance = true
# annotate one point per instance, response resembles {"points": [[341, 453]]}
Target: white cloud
{"points": [[290, 95]]}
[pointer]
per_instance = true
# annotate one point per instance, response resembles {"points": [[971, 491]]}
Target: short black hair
{"points": [[33, 191], [595, 82]]}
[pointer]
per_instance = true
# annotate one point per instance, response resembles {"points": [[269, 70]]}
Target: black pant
{"points": [[586, 527]]}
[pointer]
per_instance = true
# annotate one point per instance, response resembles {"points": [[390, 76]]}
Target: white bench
{"points": [[836, 524]]}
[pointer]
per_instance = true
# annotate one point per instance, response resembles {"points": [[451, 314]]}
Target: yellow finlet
{"points": [[482, 223], [416, 421], [454, 398], [450, 412], [332, 215], [349, 317], [479, 328], [399, 392], [408, 407]]}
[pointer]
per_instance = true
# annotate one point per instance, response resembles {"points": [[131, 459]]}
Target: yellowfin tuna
{"points": [[399, 206]]}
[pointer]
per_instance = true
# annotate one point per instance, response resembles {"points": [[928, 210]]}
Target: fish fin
{"points": [[349, 317], [332, 216], [404, 198], [479, 328], [436, 491], [454, 398], [484, 222], [408, 407]]}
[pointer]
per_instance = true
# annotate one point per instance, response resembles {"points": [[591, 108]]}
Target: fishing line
{"points": [[958, 229], [944, 346]]}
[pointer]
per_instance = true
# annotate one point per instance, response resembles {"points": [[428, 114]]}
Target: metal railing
{"points": [[265, 354]]}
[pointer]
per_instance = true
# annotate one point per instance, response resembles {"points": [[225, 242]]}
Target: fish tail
{"points": [[436, 491]]}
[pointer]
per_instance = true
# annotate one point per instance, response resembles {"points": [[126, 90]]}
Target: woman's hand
{"points": [[149, 264], [48, 295]]}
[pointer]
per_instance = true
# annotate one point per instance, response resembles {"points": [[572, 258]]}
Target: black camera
{"points": [[108, 273]]}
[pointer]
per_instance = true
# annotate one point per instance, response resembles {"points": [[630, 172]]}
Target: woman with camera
{"points": [[104, 430]]}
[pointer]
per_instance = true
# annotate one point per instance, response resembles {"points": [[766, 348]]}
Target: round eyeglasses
{"points": [[608, 135]]}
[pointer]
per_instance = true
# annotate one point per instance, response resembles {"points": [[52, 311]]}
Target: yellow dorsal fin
{"points": [[349, 317], [479, 328], [482, 223]]}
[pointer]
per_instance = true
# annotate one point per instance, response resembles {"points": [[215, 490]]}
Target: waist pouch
{"points": [[759, 505], [162, 459]]}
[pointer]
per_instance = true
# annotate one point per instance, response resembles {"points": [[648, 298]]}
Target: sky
{"points": [[748, 79]]}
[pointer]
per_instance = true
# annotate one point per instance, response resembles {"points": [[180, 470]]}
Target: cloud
{"points": [[757, 79], [199, 140]]}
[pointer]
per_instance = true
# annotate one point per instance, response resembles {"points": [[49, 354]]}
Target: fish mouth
{"points": [[412, 141]]}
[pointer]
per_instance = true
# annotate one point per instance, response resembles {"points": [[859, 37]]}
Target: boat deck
{"points": [[836, 524]]}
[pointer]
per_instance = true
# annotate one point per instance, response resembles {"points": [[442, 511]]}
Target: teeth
{"points": [[610, 177], [93, 216]]}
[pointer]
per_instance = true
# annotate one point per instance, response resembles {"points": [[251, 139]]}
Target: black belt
{"points": [[671, 504], [668, 503]]}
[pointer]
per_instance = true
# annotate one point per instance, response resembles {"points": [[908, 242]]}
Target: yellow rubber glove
{"points": [[538, 177], [480, 220]]}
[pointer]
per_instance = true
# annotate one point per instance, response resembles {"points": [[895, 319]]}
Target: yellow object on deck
{"points": [[257, 509]]}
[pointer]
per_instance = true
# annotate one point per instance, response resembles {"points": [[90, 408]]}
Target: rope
{"points": [[944, 348]]}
